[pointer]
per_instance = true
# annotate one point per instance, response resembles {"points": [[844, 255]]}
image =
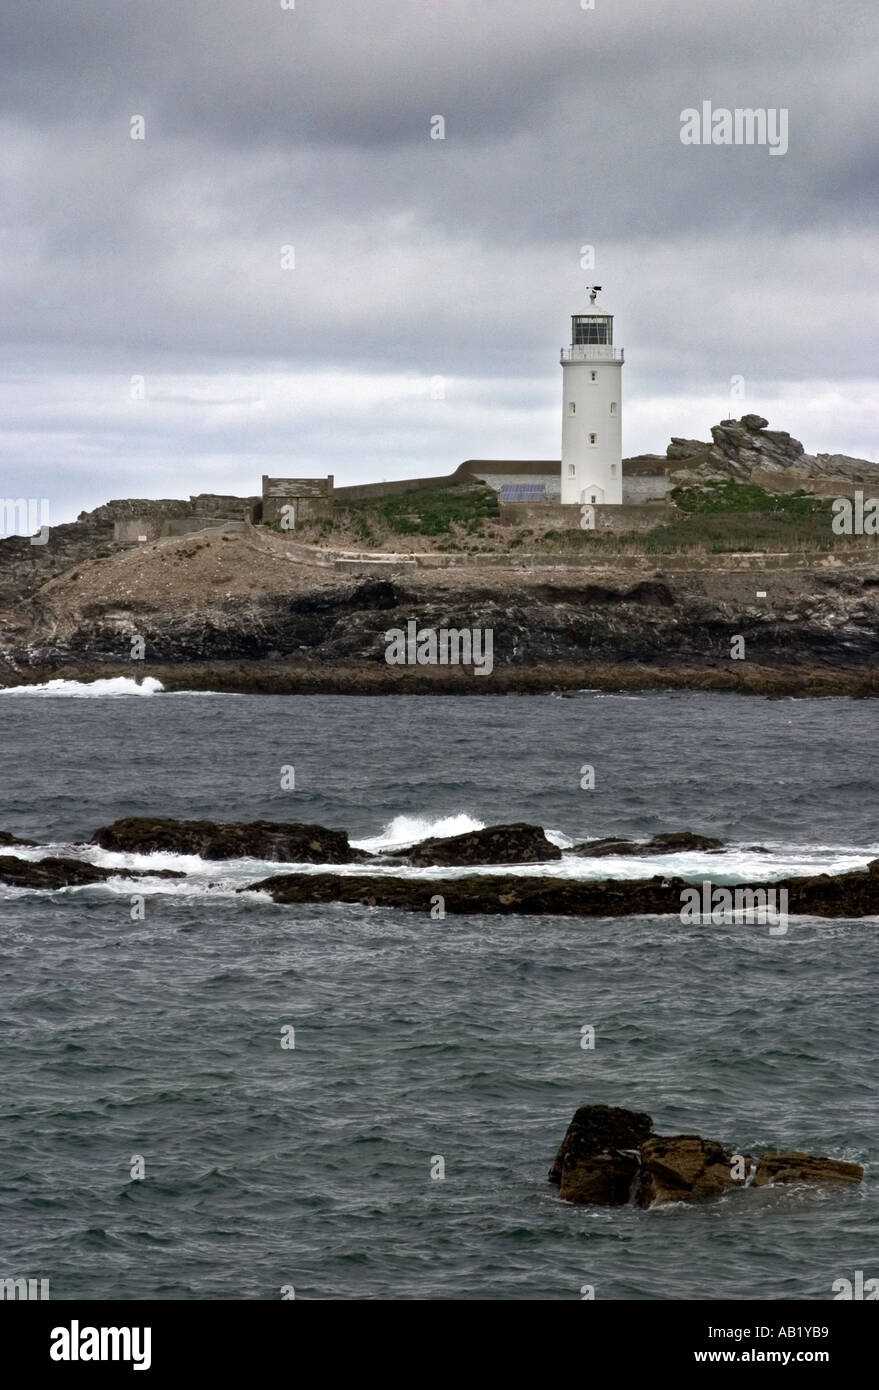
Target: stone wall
{"points": [[296, 500], [208, 504]]}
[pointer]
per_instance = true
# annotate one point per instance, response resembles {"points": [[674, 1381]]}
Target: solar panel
{"points": [[522, 492]]}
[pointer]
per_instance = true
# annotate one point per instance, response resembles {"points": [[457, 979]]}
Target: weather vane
{"points": [[593, 291]]}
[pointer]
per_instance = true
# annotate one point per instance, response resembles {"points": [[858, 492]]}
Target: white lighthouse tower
{"points": [[592, 369]]}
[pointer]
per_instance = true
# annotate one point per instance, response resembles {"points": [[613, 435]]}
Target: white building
{"points": [[592, 368]]}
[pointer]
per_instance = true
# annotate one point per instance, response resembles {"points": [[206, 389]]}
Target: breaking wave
{"points": [[88, 690]]}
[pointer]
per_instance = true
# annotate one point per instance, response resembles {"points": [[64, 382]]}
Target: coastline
{"points": [[260, 677]]}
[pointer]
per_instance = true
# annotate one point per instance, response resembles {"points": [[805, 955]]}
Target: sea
{"points": [[207, 1095]]}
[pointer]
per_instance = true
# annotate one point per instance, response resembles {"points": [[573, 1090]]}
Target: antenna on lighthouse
{"points": [[593, 291]]}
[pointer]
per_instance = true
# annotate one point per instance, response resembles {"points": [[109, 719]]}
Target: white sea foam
{"points": [[88, 690], [403, 831]]}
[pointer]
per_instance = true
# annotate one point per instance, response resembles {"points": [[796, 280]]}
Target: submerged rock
{"points": [[52, 873], [670, 842], [792, 1166], [611, 1157], [518, 843], [289, 842]]}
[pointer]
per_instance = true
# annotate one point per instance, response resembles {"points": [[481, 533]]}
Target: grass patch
{"points": [[431, 512]]}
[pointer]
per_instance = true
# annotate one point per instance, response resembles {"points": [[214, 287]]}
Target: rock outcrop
{"points": [[53, 873], [287, 842], [671, 842], [518, 843], [739, 448], [852, 894], [611, 1157]]}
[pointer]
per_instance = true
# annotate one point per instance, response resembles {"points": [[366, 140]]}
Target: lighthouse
{"points": [[592, 369]]}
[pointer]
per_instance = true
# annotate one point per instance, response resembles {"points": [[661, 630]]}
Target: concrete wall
{"points": [[541, 514], [608, 517], [633, 518], [641, 488], [153, 528], [394, 488]]}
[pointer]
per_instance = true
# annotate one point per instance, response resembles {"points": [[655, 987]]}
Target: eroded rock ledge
{"points": [[610, 1156]]}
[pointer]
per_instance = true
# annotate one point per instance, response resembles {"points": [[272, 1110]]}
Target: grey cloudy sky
{"points": [[433, 279]]}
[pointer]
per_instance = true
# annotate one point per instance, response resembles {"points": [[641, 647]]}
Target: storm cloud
{"points": [[154, 344]]}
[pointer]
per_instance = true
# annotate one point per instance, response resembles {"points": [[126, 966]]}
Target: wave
{"points": [[85, 690], [404, 831]]}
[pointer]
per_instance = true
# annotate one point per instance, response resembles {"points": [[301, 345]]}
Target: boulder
{"points": [[792, 1166], [53, 873], [288, 842], [599, 1129], [670, 842], [683, 1168], [519, 843], [598, 1158]]}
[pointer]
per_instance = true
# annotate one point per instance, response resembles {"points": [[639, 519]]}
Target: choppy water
{"points": [[415, 1038]]}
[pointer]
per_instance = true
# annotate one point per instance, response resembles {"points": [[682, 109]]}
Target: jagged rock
{"points": [[289, 842], [518, 843], [671, 842], [52, 873], [792, 1166], [7, 839], [683, 1168]]}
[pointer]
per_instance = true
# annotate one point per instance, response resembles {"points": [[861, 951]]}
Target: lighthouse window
{"points": [[593, 439], [613, 407], [572, 472], [593, 376], [590, 331], [613, 470], [572, 407]]}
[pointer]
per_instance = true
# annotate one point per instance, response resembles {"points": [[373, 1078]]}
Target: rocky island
{"points": [[724, 570]]}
